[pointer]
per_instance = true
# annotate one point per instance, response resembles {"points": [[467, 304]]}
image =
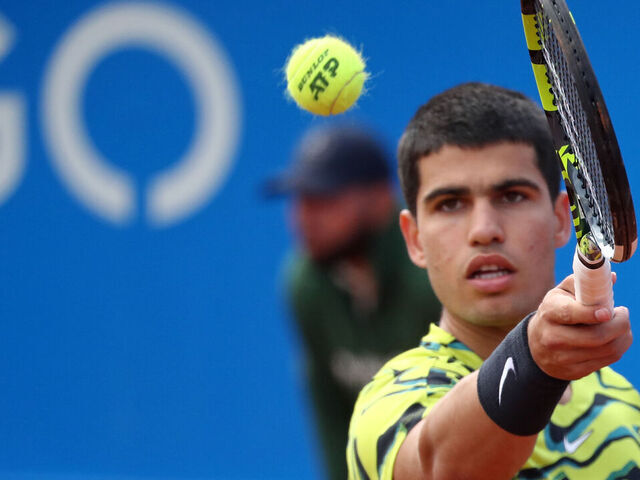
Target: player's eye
{"points": [[449, 205], [513, 196]]}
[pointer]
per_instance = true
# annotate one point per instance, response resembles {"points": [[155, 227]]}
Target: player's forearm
{"points": [[458, 440], [492, 416]]}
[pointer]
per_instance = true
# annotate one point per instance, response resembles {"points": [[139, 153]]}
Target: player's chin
{"points": [[494, 320], [503, 311]]}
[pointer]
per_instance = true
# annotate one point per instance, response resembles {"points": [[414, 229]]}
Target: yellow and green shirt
{"points": [[596, 435]]}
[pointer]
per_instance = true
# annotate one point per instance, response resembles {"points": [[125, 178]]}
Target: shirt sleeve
{"points": [[393, 403]]}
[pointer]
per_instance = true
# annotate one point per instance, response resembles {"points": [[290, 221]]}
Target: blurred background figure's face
{"points": [[331, 226]]}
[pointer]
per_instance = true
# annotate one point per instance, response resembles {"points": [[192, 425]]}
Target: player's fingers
{"points": [[573, 363], [587, 337], [603, 356], [560, 307], [567, 285], [613, 351]]}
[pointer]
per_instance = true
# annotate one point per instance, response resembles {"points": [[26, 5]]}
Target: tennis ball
{"points": [[325, 75]]}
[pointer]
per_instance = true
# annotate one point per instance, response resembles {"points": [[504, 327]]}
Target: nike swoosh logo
{"points": [[508, 366], [571, 447]]}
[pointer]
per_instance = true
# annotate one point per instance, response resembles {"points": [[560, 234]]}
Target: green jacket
{"points": [[344, 346]]}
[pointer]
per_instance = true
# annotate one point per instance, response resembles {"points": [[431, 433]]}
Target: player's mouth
{"points": [[490, 273]]}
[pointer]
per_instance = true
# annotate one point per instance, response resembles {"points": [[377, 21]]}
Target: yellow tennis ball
{"points": [[325, 75]]}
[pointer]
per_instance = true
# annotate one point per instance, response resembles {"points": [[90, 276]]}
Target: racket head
{"points": [[581, 128]]}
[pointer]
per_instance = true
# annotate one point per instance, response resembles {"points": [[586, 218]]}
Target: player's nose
{"points": [[485, 225]]}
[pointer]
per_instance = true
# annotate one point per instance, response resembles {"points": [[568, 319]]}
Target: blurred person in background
{"points": [[355, 296]]}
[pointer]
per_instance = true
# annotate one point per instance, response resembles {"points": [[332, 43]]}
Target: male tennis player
{"points": [[514, 382]]}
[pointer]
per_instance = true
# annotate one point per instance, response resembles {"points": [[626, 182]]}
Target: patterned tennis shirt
{"points": [[596, 435]]}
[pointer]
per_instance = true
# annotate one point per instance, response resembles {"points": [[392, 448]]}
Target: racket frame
{"points": [[588, 233]]}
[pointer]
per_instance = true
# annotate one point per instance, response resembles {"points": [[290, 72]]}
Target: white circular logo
{"points": [[108, 191], [12, 125]]}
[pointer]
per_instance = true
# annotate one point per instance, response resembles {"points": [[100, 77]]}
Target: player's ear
{"points": [[564, 222], [409, 228]]}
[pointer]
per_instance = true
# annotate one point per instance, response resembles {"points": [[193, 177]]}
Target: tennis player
{"points": [[515, 381]]}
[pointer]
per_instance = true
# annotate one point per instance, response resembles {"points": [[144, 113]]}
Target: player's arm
{"points": [[458, 440], [486, 426]]}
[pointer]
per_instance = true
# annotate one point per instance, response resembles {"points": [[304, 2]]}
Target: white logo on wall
{"points": [[172, 194], [12, 125]]}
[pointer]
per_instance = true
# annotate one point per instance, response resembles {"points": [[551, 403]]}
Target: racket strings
{"points": [[591, 186]]}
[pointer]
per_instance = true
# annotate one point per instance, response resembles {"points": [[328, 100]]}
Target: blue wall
{"points": [[136, 347]]}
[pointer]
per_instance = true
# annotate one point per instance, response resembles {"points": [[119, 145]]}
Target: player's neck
{"points": [[481, 339]]}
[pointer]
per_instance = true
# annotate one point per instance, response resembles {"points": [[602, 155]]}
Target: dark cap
{"points": [[330, 158]]}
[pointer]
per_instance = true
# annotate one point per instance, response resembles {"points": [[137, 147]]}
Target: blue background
{"points": [[137, 352]]}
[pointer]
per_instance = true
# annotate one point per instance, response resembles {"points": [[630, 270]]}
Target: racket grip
{"points": [[593, 283]]}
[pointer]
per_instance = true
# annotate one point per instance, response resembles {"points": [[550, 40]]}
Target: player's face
{"points": [[486, 230]]}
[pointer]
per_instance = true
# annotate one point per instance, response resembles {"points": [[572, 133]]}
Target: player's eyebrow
{"points": [[459, 191], [452, 191], [515, 182]]}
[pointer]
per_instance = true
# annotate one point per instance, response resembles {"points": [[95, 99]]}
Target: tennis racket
{"points": [[583, 136]]}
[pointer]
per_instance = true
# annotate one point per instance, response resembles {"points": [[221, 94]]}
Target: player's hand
{"points": [[569, 340]]}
